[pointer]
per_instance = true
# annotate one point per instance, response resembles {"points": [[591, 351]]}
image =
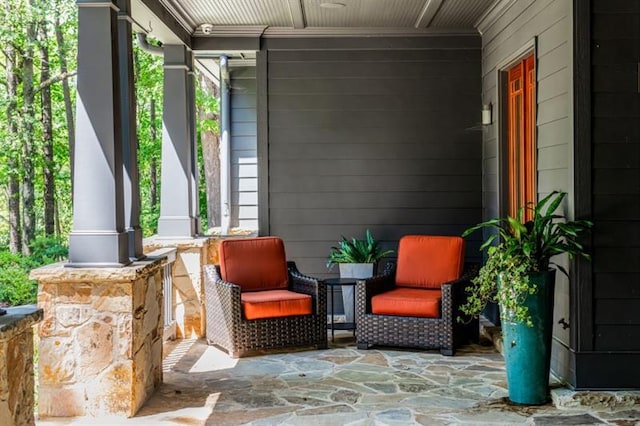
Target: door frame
{"points": [[502, 111]]}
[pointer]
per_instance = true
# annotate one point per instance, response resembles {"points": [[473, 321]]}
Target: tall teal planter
{"points": [[527, 350]]}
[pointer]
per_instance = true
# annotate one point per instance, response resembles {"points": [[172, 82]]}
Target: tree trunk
{"points": [[66, 92], [210, 153], [11, 72], [28, 151], [57, 218], [153, 166], [47, 136]]}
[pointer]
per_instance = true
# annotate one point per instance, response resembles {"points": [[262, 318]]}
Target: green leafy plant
{"points": [[357, 251], [47, 249], [525, 248], [15, 286]]}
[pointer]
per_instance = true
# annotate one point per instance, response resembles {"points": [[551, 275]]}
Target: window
{"points": [[521, 125]]}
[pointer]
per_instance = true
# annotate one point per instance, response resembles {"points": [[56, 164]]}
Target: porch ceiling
{"points": [[355, 15]]}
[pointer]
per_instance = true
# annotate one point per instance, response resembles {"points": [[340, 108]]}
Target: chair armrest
{"points": [[367, 288], [222, 296], [454, 293], [389, 268], [305, 284]]}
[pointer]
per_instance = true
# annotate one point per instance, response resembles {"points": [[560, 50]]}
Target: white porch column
{"points": [[98, 237], [129, 136], [176, 196]]}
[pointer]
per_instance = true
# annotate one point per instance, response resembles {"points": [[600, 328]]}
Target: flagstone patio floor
{"points": [[344, 386]]}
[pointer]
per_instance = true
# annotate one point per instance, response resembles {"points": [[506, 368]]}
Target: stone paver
{"points": [[342, 385]]}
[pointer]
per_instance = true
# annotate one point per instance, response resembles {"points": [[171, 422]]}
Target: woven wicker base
{"points": [[228, 330]]}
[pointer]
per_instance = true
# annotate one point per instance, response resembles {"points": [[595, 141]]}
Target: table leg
{"points": [[332, 316], [354, 311]]}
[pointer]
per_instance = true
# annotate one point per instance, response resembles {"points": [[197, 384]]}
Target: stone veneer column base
{"points": [[16, 365], [188, 283], [100, 340]]}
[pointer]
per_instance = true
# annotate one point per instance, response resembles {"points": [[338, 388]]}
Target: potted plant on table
{"points": [[518, 276], [356, 259]]}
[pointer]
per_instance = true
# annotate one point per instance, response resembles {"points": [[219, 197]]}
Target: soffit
{"points": [[363, 13], [308, 14], [460, 13], [273, 13]]}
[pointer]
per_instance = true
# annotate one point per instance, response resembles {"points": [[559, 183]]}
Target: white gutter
{"points": [[147, 47], [225, 146]]}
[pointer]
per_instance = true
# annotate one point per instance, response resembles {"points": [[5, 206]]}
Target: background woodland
{"points": [[38, 40]]}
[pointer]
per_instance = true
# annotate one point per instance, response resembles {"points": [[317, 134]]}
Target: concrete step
{"points": [[491, 334], [595, 400]]}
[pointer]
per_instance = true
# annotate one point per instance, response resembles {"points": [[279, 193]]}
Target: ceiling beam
{"points": [[297, 14], [429, 10], [173, 24], [210, 68]]}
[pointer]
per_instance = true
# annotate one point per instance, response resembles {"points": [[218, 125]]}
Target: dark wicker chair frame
{"points": [[229, 330], [444, 333]]}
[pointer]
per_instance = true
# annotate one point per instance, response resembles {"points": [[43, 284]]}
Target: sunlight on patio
{"points": [[213, 359], [340, 385]]}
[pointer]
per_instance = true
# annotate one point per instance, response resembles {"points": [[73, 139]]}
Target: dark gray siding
{"points": [[244, 157], [550, 21], [606, 353], [616, 175], [380, 136]]}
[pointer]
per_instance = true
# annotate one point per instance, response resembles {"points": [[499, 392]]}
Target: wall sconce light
{"points": [[486, 114]]}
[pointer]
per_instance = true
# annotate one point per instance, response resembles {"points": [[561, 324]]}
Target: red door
{"points": [[521, 123]]}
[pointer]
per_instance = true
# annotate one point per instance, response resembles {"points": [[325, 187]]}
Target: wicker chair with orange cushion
{"points": [[415, 304], [257, 300]]}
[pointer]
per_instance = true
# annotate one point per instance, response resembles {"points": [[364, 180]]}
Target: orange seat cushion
{"points": [[275, 304], [426, 261], [408, 302], [254, 263]]}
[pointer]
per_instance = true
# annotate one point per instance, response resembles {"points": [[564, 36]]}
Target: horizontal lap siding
{"points": [[244, 164], [378, 139], [616, 174], [550, 21]]}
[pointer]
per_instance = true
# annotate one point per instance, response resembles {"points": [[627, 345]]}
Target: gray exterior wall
{"points": [[377, 133], [244, 155], [551, 23]]}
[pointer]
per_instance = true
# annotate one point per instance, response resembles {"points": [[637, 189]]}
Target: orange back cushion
{"points": [[429, 261], [254, 263]]}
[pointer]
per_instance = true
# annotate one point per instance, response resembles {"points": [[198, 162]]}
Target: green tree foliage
{"points": [[33, 32], [18, 21], [149, 76]]}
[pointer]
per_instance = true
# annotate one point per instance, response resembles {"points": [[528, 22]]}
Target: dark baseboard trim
{"points": [[605, 370]]}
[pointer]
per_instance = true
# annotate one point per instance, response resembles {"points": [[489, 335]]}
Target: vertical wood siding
{"points": [[551, 22], [382, 138], [244, 156]]}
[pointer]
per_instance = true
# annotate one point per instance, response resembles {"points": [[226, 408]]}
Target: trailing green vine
{"points": [[525, 248]]}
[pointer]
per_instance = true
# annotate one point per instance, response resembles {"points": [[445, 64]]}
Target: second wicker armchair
{"points": [[416, 304]]}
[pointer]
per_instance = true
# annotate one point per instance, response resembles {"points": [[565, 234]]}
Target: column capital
{"points": [[99, 3], [176, 67]]}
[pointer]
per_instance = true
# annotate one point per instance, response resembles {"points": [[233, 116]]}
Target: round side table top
{"points": [[341, 281]]}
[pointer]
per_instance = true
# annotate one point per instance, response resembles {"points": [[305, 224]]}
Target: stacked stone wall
{"points": [[16, 366], [188, 280], [100, 340]]}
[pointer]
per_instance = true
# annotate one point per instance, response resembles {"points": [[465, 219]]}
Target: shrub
{"points": [[15, 286]]}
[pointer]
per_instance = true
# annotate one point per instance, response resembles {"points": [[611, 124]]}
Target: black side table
{"points": [[340, 282]]}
